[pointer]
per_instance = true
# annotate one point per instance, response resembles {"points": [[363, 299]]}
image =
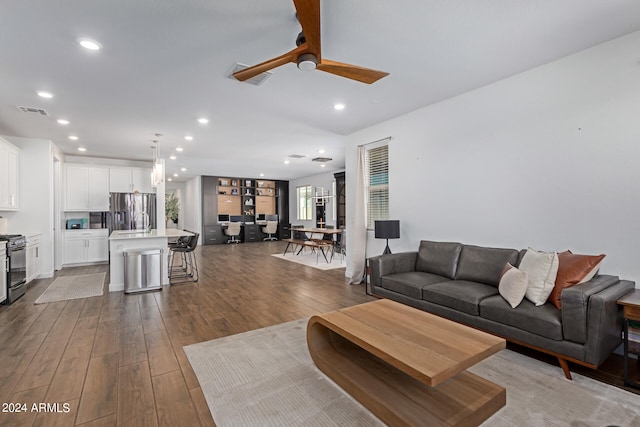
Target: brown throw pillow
{"points": [[571, 270]]}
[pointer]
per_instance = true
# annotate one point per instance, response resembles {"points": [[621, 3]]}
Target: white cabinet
{"points": [[129, 180], [9, 156], [120, 180], [75, 250], [34, 260], [87, 188], [98, 249], [141, 180], [3, 275], [84, 246]]}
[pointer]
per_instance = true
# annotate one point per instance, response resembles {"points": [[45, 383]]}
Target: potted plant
{"points": [[171, 207]]}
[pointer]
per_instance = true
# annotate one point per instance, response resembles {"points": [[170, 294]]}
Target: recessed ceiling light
{"points": [[261, 174], [321, 151], [339, 107], [73, 137], [179, 149], [172, 157], [175, 174], [63, 121], [286, 162], [82, 149], [188, 138], [89, 44], [183, 169], [203, 120], [44, 94], [169, 179], [322, 166]]}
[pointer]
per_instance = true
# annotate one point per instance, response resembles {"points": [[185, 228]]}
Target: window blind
{"points": [[377, 183]]}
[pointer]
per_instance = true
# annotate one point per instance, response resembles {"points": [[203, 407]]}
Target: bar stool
{"points": [[180, 242], [188, 268]]}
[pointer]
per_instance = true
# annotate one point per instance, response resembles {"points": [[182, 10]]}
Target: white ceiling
{"points": [[164, 63]]}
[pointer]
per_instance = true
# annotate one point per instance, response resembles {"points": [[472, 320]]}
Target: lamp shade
{"points": [[389, 229]]}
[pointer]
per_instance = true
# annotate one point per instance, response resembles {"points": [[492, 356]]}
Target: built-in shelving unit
{"points": [[245, 197]]}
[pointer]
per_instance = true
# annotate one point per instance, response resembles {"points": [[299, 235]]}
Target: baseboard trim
{"points": [[116, 287]]}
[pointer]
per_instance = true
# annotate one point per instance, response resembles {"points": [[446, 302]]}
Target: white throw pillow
{"points": [[513, 285], [541, 269]]}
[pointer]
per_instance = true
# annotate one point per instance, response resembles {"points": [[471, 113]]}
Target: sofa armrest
{"points": [[575, 306], [604, 322], [383, 265]]}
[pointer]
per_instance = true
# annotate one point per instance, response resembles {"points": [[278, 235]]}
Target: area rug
{"points": [[314, 260], [73, 287], [266, 377]]}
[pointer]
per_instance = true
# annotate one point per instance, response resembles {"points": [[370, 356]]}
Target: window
{"points": [[303, 195], [376, 163]]}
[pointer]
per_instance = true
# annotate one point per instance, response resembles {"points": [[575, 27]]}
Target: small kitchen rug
{"points": [[73, 287]]}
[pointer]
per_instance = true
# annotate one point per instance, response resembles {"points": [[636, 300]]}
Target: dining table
{"points": [[311, 231]]}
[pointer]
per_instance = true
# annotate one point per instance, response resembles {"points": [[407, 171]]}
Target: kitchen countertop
{"points": [[136, 234]]}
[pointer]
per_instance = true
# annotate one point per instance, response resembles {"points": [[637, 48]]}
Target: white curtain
{"points": [[358, 231]]}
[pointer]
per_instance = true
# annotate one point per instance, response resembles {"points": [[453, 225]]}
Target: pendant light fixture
{"points": [[157, 171], [322, 196]]}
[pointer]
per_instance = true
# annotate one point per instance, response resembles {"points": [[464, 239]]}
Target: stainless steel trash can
{"points": [[142, 270]]}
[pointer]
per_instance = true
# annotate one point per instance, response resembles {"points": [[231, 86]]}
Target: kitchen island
{"points": [[126, 240]]}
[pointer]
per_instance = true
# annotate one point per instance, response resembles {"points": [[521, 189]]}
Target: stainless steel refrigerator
{"points": [[132, 211]]}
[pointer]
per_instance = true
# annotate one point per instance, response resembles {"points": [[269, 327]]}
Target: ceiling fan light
{"points": [[307, 62]]}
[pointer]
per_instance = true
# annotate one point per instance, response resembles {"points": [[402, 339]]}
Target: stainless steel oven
{"points": [[16, 265]]}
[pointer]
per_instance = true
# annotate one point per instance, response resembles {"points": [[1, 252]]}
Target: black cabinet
{"points": [[284, 231], [341, 199], [213, 235], [251, 233], [209, 200]]}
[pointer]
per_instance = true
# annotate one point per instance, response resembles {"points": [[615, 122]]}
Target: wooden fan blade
{"points": [[364, 75], [309, 16], [291, 56]]}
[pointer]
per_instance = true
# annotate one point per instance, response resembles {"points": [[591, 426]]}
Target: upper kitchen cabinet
{"points": [[87, 188], [129, 180], [9, 156]]}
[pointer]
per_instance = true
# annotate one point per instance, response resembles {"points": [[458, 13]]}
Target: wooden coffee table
{"points": [[405, 365]]}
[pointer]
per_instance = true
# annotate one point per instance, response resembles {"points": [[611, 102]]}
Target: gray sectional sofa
{"points": [[460, 282]]}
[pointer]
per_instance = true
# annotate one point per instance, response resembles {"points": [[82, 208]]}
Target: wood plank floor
{"points": [[118, 359]]}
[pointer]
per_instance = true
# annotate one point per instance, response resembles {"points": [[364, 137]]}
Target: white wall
{"points": [[324, 180], [192, 205], [35, 204], [548, 158]]}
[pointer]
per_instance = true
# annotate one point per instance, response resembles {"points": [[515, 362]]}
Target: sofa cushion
{"points": [[410, 283], [544, 320], [541, 269], [439, 258], [460, 295], [484, 265], [573, 269], [513, 285]]}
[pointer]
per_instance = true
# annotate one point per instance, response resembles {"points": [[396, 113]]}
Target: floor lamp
{"points": [[389, 229]]}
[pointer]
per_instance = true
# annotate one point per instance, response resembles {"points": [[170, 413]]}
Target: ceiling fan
{"points": [[307, 53]]}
